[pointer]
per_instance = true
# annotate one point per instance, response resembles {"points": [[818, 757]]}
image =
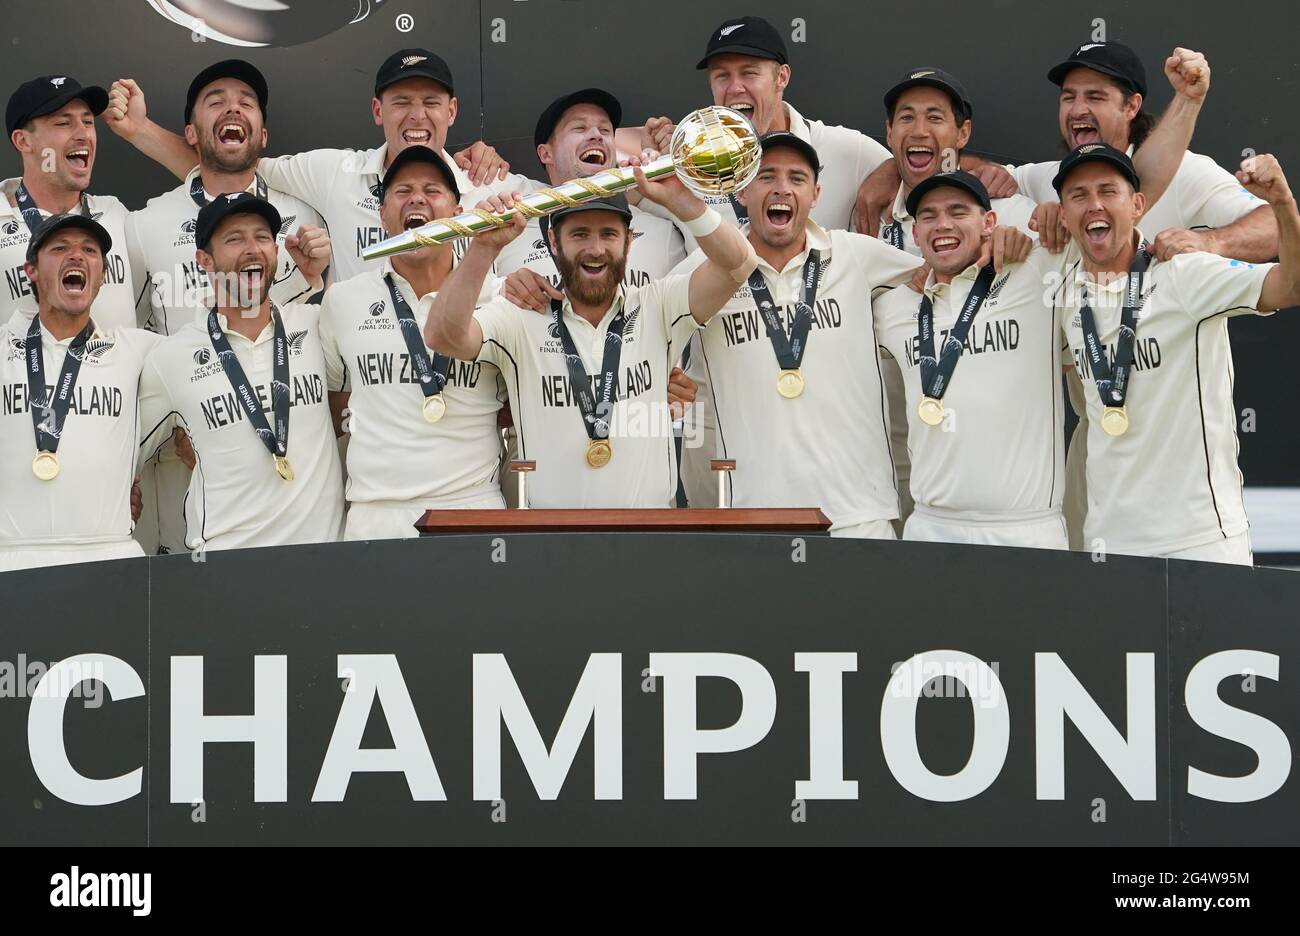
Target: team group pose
{"points": [[879, 330]]}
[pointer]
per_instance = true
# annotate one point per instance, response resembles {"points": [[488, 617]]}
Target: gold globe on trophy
{"points": [[714, 151]]}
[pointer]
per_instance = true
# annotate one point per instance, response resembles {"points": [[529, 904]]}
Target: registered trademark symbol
{"points": [[405, 22]]}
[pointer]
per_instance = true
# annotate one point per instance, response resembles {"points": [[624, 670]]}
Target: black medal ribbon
{"points": [[277, 441], [936, 370], [199, 196], [789, 350], [432, 373], [893, 232], [1112, 381], [595, 416], [48, 413], [742, 213], [32, 216]]}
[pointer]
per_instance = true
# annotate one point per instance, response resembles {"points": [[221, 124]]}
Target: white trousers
{"points": [[389, 520]]}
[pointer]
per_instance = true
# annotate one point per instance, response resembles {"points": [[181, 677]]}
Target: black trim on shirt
{"points": [[1200, 405]]}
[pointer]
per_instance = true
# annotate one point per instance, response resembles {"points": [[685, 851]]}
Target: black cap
{"points": [[746, 35], [933, 78], [614, 203], [958, 180], [1096, 152], [60, 221], [230, 68], [1109, 58], [413, 63], [45, 95], [412, 154], [223, 206], [780, 138], [555, 110]]}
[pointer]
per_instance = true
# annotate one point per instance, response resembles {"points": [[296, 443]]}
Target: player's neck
{"points": [[48, 195], [781, 122], [62, 325], [777, 257], [592, 313], [219, 182], [247, 322], [425, 274]]}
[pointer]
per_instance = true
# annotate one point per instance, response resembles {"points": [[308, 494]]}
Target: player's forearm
{"points": [[1285, 291], [450, 326], [165, 148], [730, 260], [1158, 158], [1252, 237]]}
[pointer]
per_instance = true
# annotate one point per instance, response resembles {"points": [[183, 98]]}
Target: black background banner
{"points": [[740, 595]]}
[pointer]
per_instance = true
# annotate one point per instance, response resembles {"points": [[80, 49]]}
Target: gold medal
{"points": [[930, 410], [789, 383], [435, 407], [1114, 420], [46, 466], [283, 468], [599, 452]]}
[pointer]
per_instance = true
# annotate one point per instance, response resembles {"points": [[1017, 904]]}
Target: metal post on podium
{"points": [[720, 467], [521, 468]]}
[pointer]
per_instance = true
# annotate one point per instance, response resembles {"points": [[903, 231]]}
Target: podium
{"points": [[794, 520]]}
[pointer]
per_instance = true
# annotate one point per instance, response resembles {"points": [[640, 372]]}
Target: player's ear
{"points": [[191, 135], [782, 77], [21, 141], [377, 111], [453, 108], [205, 260], [264, 138], [1139, 205], [963, 134], [553, 238], [817, 194], [990, 222], [544, 155], [1132, 106], [29, 270]]}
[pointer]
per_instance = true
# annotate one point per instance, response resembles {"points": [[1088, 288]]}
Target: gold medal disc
{"points": [[46, 466], [283, 468], [930, 410], [435, 407], [1114, 420], [599, 452], [789, 383]]}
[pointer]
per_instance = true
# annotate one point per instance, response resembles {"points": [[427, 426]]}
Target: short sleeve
{"points": [[1035, 180], [502, 326], [157, 413], [309, 176], [1209, 285], [1209, 195], [885, 266]]}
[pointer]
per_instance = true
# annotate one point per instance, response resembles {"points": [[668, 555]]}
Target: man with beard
{"points": [[225, 112], [981, 368], [1162, 474], [50, 121], [1103, 86], [237, 382], [415, 104], [68, 420], [422, 426], [587, 383]]}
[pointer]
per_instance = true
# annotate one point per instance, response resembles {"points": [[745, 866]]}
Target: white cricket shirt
{"points": [[123, 273], [526, 347], [1000, 450], [178, 291], [1012, 212], [393, 454], [342, 184], [829, 447], [1171, 481], [235, 498], [90, 500]]}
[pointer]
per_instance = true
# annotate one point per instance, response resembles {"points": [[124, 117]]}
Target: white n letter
{"points": [[1057, 694]]}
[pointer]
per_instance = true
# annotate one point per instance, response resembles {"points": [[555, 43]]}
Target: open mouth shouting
{"points": [[780, 213], [593, 156], [1097, 232], [1083, 130], [944, 244], [232, 133], [74, 282], [251, 276], [743, 108], [417, 137], [79, 158], [919, 157], [595, 269], [414, 219]]}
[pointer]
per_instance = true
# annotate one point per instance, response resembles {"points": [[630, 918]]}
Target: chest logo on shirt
{"points": [[11, 227], [996, 288], [95, 349], [296, 339], [17, 349], [206, 366], [376, 320], [287, 223]]}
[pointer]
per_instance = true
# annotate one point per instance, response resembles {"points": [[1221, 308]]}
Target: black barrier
{"points": [[474, 639]]}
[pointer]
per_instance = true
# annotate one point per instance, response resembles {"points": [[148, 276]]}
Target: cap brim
{"points": [[419, 154], [264, 209], [1057, 75], [738, 50], [625, 213], [1127, 172], [929, 81], [80, 222], [597, 97], [96, 99], [240, 71], [926, 186]]}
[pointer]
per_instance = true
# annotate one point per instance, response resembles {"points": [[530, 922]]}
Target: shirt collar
{"points": [[264, 335], [933, 287], [798, 126], [189, 181], [619, 299], [899, 208], [21, 321], [817, 239], [1116, 285]]}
